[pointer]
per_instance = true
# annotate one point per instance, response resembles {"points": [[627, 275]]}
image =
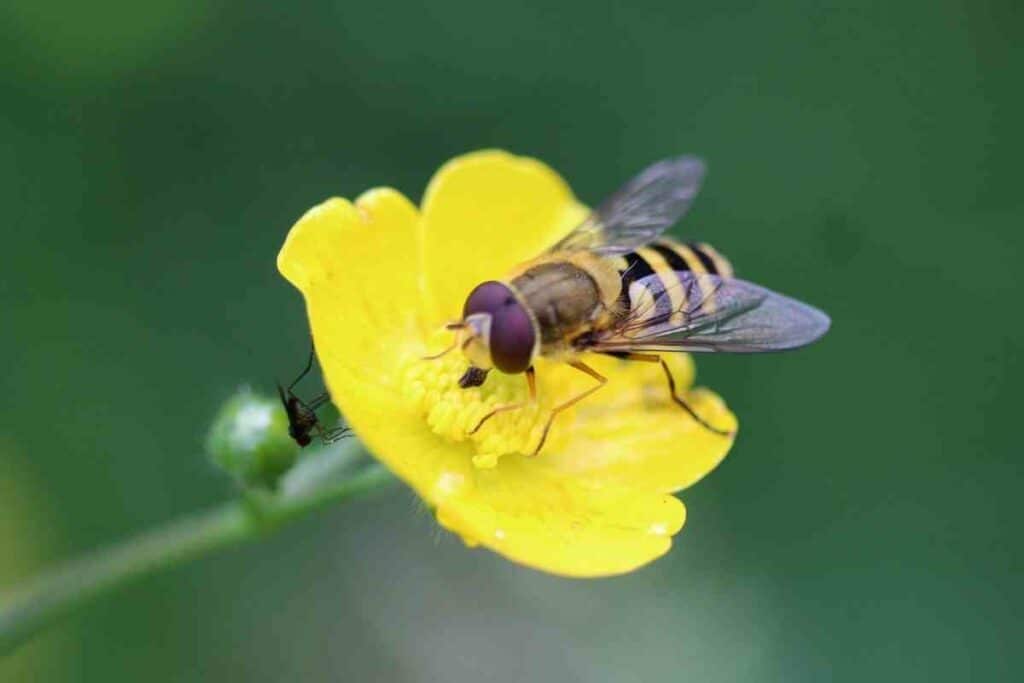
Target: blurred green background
{"points": [[866, 158]]}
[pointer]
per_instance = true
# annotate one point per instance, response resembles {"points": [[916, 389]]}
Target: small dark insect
{"points": [[302, 419]]}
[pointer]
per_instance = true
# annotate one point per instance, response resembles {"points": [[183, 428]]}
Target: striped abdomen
{"points": [[670, 294]]}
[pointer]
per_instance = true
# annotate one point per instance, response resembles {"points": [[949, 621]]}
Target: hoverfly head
{"points": [[497, 330]]}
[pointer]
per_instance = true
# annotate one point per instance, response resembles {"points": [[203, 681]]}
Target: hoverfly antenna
{"points": [[435, 356], [453, 327]]}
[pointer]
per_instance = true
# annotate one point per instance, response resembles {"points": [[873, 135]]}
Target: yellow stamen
{"points": [[452, 412]]}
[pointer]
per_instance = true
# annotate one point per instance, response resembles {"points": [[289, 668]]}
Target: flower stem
{"points": [[56, 593]]}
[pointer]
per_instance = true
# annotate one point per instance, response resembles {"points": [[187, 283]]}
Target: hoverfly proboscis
{"points": [[302, 418], [616, 286]]}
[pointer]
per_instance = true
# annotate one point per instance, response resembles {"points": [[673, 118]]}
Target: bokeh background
{"points": [[865, 157]]}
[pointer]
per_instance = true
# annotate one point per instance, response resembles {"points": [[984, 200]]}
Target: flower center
{"points": [[453, 412]]}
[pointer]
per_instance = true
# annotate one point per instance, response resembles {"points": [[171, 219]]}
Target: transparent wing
{"points": [[704, 312], [639, 211]]}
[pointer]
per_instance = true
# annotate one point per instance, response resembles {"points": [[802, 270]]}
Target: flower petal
{"points": [[483, 214], [560, 524], [631, 433], [355, 266], [360, 259]]}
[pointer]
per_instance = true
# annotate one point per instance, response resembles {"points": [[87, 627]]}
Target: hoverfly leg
{"points": [[686, 406], [654, 358], [582, 367], [531, 383]]}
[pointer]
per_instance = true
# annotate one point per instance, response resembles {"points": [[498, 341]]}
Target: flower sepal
{"points": [[249, 440]]}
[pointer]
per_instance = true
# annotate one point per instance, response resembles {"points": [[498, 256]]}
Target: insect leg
{"points": [[686, 406], [319, 401], [309, 366], [531, 383], [582, 367], [329, 436], [654, 358]]}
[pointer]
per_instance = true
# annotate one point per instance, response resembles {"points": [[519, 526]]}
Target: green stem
{"points": [[57, 593]]}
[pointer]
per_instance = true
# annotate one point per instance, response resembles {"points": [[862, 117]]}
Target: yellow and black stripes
{"points": [[695, 257], [672, 296], [643, 291]]}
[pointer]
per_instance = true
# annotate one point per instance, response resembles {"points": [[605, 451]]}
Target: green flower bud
{"points": [[249, 439]]}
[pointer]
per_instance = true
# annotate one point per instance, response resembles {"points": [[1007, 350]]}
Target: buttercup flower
{"points": [[381, 278]]}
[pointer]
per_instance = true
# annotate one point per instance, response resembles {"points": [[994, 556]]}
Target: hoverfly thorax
{"points": [[497, 330]]}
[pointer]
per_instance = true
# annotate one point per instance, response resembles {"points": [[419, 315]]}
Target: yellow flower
{"points": [[380, 279]]}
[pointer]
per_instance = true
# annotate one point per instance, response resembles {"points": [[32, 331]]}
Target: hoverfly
{"points": [[302, 419], [615, 286]]}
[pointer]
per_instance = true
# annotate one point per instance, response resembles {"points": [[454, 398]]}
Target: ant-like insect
{"points": [[302, 419]]}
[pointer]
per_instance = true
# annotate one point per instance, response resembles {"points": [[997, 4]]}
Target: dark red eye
{"points": [[512, 334], [487, 297]]}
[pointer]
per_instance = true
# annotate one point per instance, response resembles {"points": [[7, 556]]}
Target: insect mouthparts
{"points": [[473, 377]]}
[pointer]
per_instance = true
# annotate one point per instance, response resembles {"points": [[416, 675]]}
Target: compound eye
{"points": [[512, 339], [487, 297], [512, 336]]}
